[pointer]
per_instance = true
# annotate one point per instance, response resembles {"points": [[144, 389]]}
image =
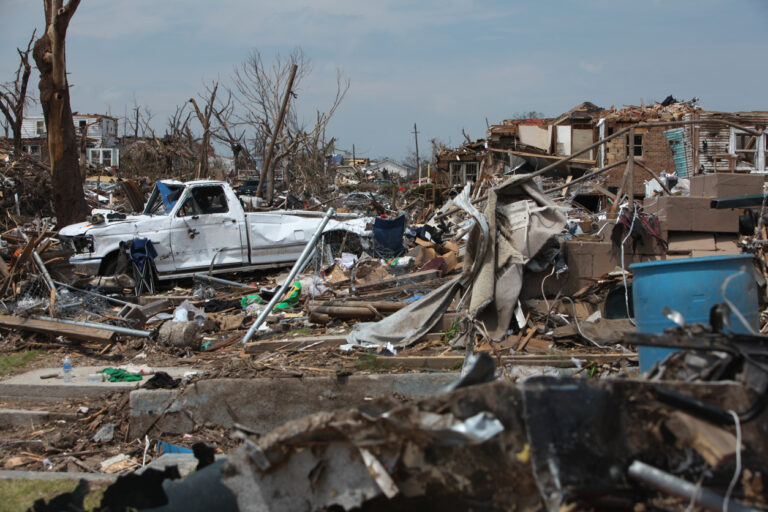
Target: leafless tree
{"points": [[140, 120], [174, 154], [14, 98], [50, 56], [261, 88], [204, 117], [228, 131]]}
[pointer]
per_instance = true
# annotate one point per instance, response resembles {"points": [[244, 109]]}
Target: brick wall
{"points": [[657, 155]]}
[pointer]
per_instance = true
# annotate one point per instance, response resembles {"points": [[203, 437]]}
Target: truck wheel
{"points": [[109, 265]]}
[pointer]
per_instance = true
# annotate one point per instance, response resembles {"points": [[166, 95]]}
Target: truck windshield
{"points": [[163, 198]]}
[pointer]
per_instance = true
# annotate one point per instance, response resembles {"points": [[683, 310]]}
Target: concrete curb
{"points": [[7, 474], [23, 417], [265, 403]]}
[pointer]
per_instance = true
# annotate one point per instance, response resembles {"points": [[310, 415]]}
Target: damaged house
{"points": [[101, 146]]}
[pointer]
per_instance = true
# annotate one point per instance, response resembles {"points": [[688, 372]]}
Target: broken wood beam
{"points": [[258, 347], [558, 361], [426, 275], [348, 312], [75, 332]]}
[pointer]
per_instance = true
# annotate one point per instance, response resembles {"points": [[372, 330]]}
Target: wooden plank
{"points": [[559, 361], [75, 332], [401, 280], [567, 184], [714, 444], [325, 342]]}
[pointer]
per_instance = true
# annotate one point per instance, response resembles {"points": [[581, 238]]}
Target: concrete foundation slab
{"points": [[29, 386], [7, 474], [264, 403], [23, 417]]}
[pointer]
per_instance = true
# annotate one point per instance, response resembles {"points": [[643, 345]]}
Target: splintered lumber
{"points": [[4, 272], [413, 277], [347, 312], [714, 444], [257, 347], [75, 332], [354, 309], [559, 361]]}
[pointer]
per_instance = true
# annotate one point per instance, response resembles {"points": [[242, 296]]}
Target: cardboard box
{"points": [[722, 185], [586, 260], [694, 245], [682, 213], [685, 242]]}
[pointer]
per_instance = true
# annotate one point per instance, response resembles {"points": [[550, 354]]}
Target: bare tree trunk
{"points": [[83, 153], [13, 97], [50, 57], [205, 122]]}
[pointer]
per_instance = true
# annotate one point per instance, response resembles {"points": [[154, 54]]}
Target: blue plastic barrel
{"points": [[691, 286]]}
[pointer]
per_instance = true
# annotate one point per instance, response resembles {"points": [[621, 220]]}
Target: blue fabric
{"points": [[388, 237], [165, 193], [141, 250]]}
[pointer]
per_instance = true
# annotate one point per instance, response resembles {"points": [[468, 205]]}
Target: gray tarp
{"points": [[518, 221], [522, 220], [411, 323]]}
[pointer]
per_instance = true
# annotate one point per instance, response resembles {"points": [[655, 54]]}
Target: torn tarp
{"points": [[522, 220], [411, 323], [518, 222]]}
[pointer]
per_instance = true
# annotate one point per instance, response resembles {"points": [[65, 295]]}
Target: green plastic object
{"points": [[291, 300]]}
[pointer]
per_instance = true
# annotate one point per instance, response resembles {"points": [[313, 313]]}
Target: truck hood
{"points": [[126, 225]]}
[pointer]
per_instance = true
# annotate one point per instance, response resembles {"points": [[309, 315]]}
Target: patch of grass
{"points": [[592, 368], [456, 366], [452, 332], [21, 494], [304, 331], [9, 362], [371, 362]]}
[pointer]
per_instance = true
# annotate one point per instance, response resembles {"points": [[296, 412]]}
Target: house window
{"points": [[40, 127], [81, 126], [638, 144], [749, 148], [462, 172], [32, 150], [106, 158]]}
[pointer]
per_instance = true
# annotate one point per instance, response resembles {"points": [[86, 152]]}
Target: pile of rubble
{"points": [[505, 282]]}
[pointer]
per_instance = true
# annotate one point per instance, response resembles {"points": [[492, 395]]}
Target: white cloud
{"points": [[592, 67]]}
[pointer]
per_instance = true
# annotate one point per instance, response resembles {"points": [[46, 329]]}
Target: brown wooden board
{"points": [[75, 332]]}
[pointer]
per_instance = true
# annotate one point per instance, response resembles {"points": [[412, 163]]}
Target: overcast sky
{"points": [[443, 64]]}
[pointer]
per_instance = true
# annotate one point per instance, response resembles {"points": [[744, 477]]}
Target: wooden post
{"points": [[266, 171], [631, 170], [416, 135]]}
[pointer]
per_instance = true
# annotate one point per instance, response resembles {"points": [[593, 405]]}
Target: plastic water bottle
{"points": [[66, 369]]}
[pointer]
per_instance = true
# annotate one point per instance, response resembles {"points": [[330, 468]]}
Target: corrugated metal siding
{"points": [[675, 138]]}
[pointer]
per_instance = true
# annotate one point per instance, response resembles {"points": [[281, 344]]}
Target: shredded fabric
{"points": [[120, 375]]}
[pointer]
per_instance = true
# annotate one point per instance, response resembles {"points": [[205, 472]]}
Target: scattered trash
{"points": [[105, 434]]}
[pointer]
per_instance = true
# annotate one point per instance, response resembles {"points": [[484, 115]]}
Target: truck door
{"points": [[205, 228]]}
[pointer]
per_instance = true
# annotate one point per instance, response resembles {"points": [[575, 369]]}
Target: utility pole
{"points": [[353, 156], [418, 161], [266, 168]]}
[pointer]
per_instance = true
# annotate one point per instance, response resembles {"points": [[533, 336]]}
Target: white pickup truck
{"points": [[201, 226]]}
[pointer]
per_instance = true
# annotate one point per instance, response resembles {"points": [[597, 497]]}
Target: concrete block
{"points": [[29, 386]]}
